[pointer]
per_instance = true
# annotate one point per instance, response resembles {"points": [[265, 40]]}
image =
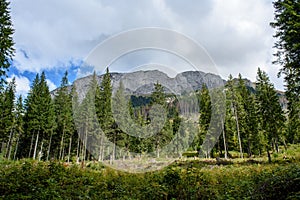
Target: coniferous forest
{"points": [[46, 137]]}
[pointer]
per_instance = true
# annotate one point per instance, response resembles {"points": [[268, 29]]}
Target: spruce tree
{"points": [[7, 123], [270, 111], [247, 100], [237, 109], [63, 110], [104, 111], [158, 97], [287, 26], [39, 119], [19, 127], [205, 116], [6, 41]]}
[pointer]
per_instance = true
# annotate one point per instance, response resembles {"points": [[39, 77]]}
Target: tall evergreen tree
{"points": [[158, 97], [287, 25], [270, 111], [63, 110], [104, 110], [251, 136], [6, 41], [19, 127], [205, 116], [237, 109], [39, 119], [7, 122]]}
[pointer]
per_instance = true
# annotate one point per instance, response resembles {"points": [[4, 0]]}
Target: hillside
{"points": [[141, 83]]}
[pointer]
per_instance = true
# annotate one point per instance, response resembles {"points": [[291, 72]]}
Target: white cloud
{"points": [[51, 85], [22, 85]]}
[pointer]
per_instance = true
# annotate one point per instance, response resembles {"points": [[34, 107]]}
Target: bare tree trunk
{"points": [[8, 151], [36, 143], [284, 144], [269, 155], [238, 131], [49, 146], [276, 144], [78, 149], [85, 145], [17, 145], [61, 144], [69, 153], [101, 149], [157, 148], [41, 151], [31, 144], [114, 148], [224, 140], [249, 148]]}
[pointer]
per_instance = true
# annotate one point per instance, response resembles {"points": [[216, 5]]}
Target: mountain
{"points": [[142, 83]]}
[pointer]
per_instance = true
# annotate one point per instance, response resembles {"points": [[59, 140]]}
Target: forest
{"points": [[48, 137]]}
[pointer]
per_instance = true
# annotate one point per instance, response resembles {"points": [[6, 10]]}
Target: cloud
{"points": [[236, 33], [22, 85], [51, 85]]}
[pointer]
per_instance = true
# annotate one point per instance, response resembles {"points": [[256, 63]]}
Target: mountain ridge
{"points": [[140, 83]]}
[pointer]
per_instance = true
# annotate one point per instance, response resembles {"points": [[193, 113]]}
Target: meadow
{"points": [[191, 178]]}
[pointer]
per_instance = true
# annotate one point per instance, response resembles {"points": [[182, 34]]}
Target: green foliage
{"points": [[205, 114], [287, 25], [270, 112], [7, 106], [6, 41], [27, 179]]}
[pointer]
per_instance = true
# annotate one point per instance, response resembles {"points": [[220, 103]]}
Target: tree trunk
{"points": [[31, 144], [224, 140], [78, 148], [41, 151], [276, 144], [36, 143], [85, 145], [69, 153], [49, 146], [284, 144], [249, 148], [238, 131], [100, 149], [114, 148], [61, 144], [17, 145], [8, 149], [269, 155]]}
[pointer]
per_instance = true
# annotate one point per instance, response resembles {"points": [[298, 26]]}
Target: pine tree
{"points": [[7, 122], [158, 97], [104, 111], [205, 116], [19, 127], [251, 136], [270, 111], [63, 110], [6, 41], [88, 123], [237, 110], [39, 119], [124, 123], [287, 25]]}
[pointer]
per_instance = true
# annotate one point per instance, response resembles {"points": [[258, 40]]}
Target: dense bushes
{"points": [[187, 180]]}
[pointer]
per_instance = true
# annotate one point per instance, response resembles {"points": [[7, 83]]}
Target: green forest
{"points": [[47, 149]]}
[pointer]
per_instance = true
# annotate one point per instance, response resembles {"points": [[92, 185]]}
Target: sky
{"points": [[55, 36]]}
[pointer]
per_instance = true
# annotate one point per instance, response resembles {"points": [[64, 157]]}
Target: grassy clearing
{"points": [[251, 178]]}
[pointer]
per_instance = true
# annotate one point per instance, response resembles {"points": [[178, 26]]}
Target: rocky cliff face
{"points": [[142, 83]]}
